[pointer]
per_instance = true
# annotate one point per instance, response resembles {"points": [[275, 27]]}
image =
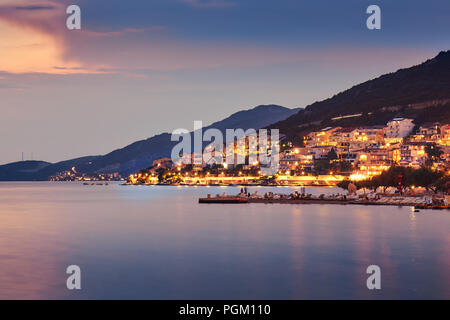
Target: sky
{"points": [[141, 67]]}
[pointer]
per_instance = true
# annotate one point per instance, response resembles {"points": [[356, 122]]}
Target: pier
{"points": [[388, 201]]}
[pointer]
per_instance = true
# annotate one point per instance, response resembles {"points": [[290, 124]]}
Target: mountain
{"points": [[140, 154], [258, 117], [421, 92], [38, 170], [21, 171]]}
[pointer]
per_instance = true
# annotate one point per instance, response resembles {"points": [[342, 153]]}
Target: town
{"points": [[73, 175], [325, 157]]}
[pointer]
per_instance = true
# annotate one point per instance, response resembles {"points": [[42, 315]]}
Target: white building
{"points": [[398, 128]]}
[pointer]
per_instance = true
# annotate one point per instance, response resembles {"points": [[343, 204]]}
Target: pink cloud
{"points": [[125, 31], [100, 51], [40, 28]]}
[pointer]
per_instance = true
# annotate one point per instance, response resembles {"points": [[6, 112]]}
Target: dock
{"points": [[246, 200], [224, 200], [300, 201]]}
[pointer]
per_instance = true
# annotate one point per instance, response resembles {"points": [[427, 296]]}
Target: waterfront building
{"points": [[397, 129], [369, 135], [320, 138], [296, 159], [428, 132], [374, 160], [445, 135], [413, 154], [430, 129], [340, 139], [320, 152]]}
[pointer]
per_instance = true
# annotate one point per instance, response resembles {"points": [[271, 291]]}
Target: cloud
{"points": [[33, 8], [35, 39], [10, 87], [5, 83], [122, 32], [209, 3]]}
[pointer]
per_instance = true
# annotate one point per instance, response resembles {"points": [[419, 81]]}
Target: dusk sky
{"points": [[142, 67]]}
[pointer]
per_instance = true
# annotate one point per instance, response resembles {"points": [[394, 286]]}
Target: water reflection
{"points": [[159, 243]]}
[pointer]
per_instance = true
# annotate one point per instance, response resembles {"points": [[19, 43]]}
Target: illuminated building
{"points": [[398, 128], [413, 154]]}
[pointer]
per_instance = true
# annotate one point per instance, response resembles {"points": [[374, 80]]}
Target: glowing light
{"points": [[358, 177]]}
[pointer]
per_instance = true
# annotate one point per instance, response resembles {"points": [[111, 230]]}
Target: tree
{"points": [[425, 177], [162, 174], [332, 155], [322, 166], [342, 166], [443, 184], [344, 184], [433, 152]]}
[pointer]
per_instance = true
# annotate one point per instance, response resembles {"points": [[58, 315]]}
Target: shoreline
{"points": [[232, 185], [241, 200]]}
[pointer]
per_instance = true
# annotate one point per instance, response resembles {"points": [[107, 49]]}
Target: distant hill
{"points": [[53, 168], [421, 92], [38, 170], [140, 154]]}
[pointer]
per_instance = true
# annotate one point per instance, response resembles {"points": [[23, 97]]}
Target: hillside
{"points": [[140, 154], [421, 92], [22, 170]]}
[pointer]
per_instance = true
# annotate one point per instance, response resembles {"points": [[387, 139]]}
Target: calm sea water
{"points": [[156, 242]]}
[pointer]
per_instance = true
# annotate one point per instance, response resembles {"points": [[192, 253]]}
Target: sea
{"points": [[158, 242]]}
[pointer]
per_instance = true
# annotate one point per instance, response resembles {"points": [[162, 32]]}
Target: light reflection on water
{"points": [[159, 243]]}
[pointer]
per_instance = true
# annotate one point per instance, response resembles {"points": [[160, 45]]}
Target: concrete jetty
{"points": [[399, 202]]}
